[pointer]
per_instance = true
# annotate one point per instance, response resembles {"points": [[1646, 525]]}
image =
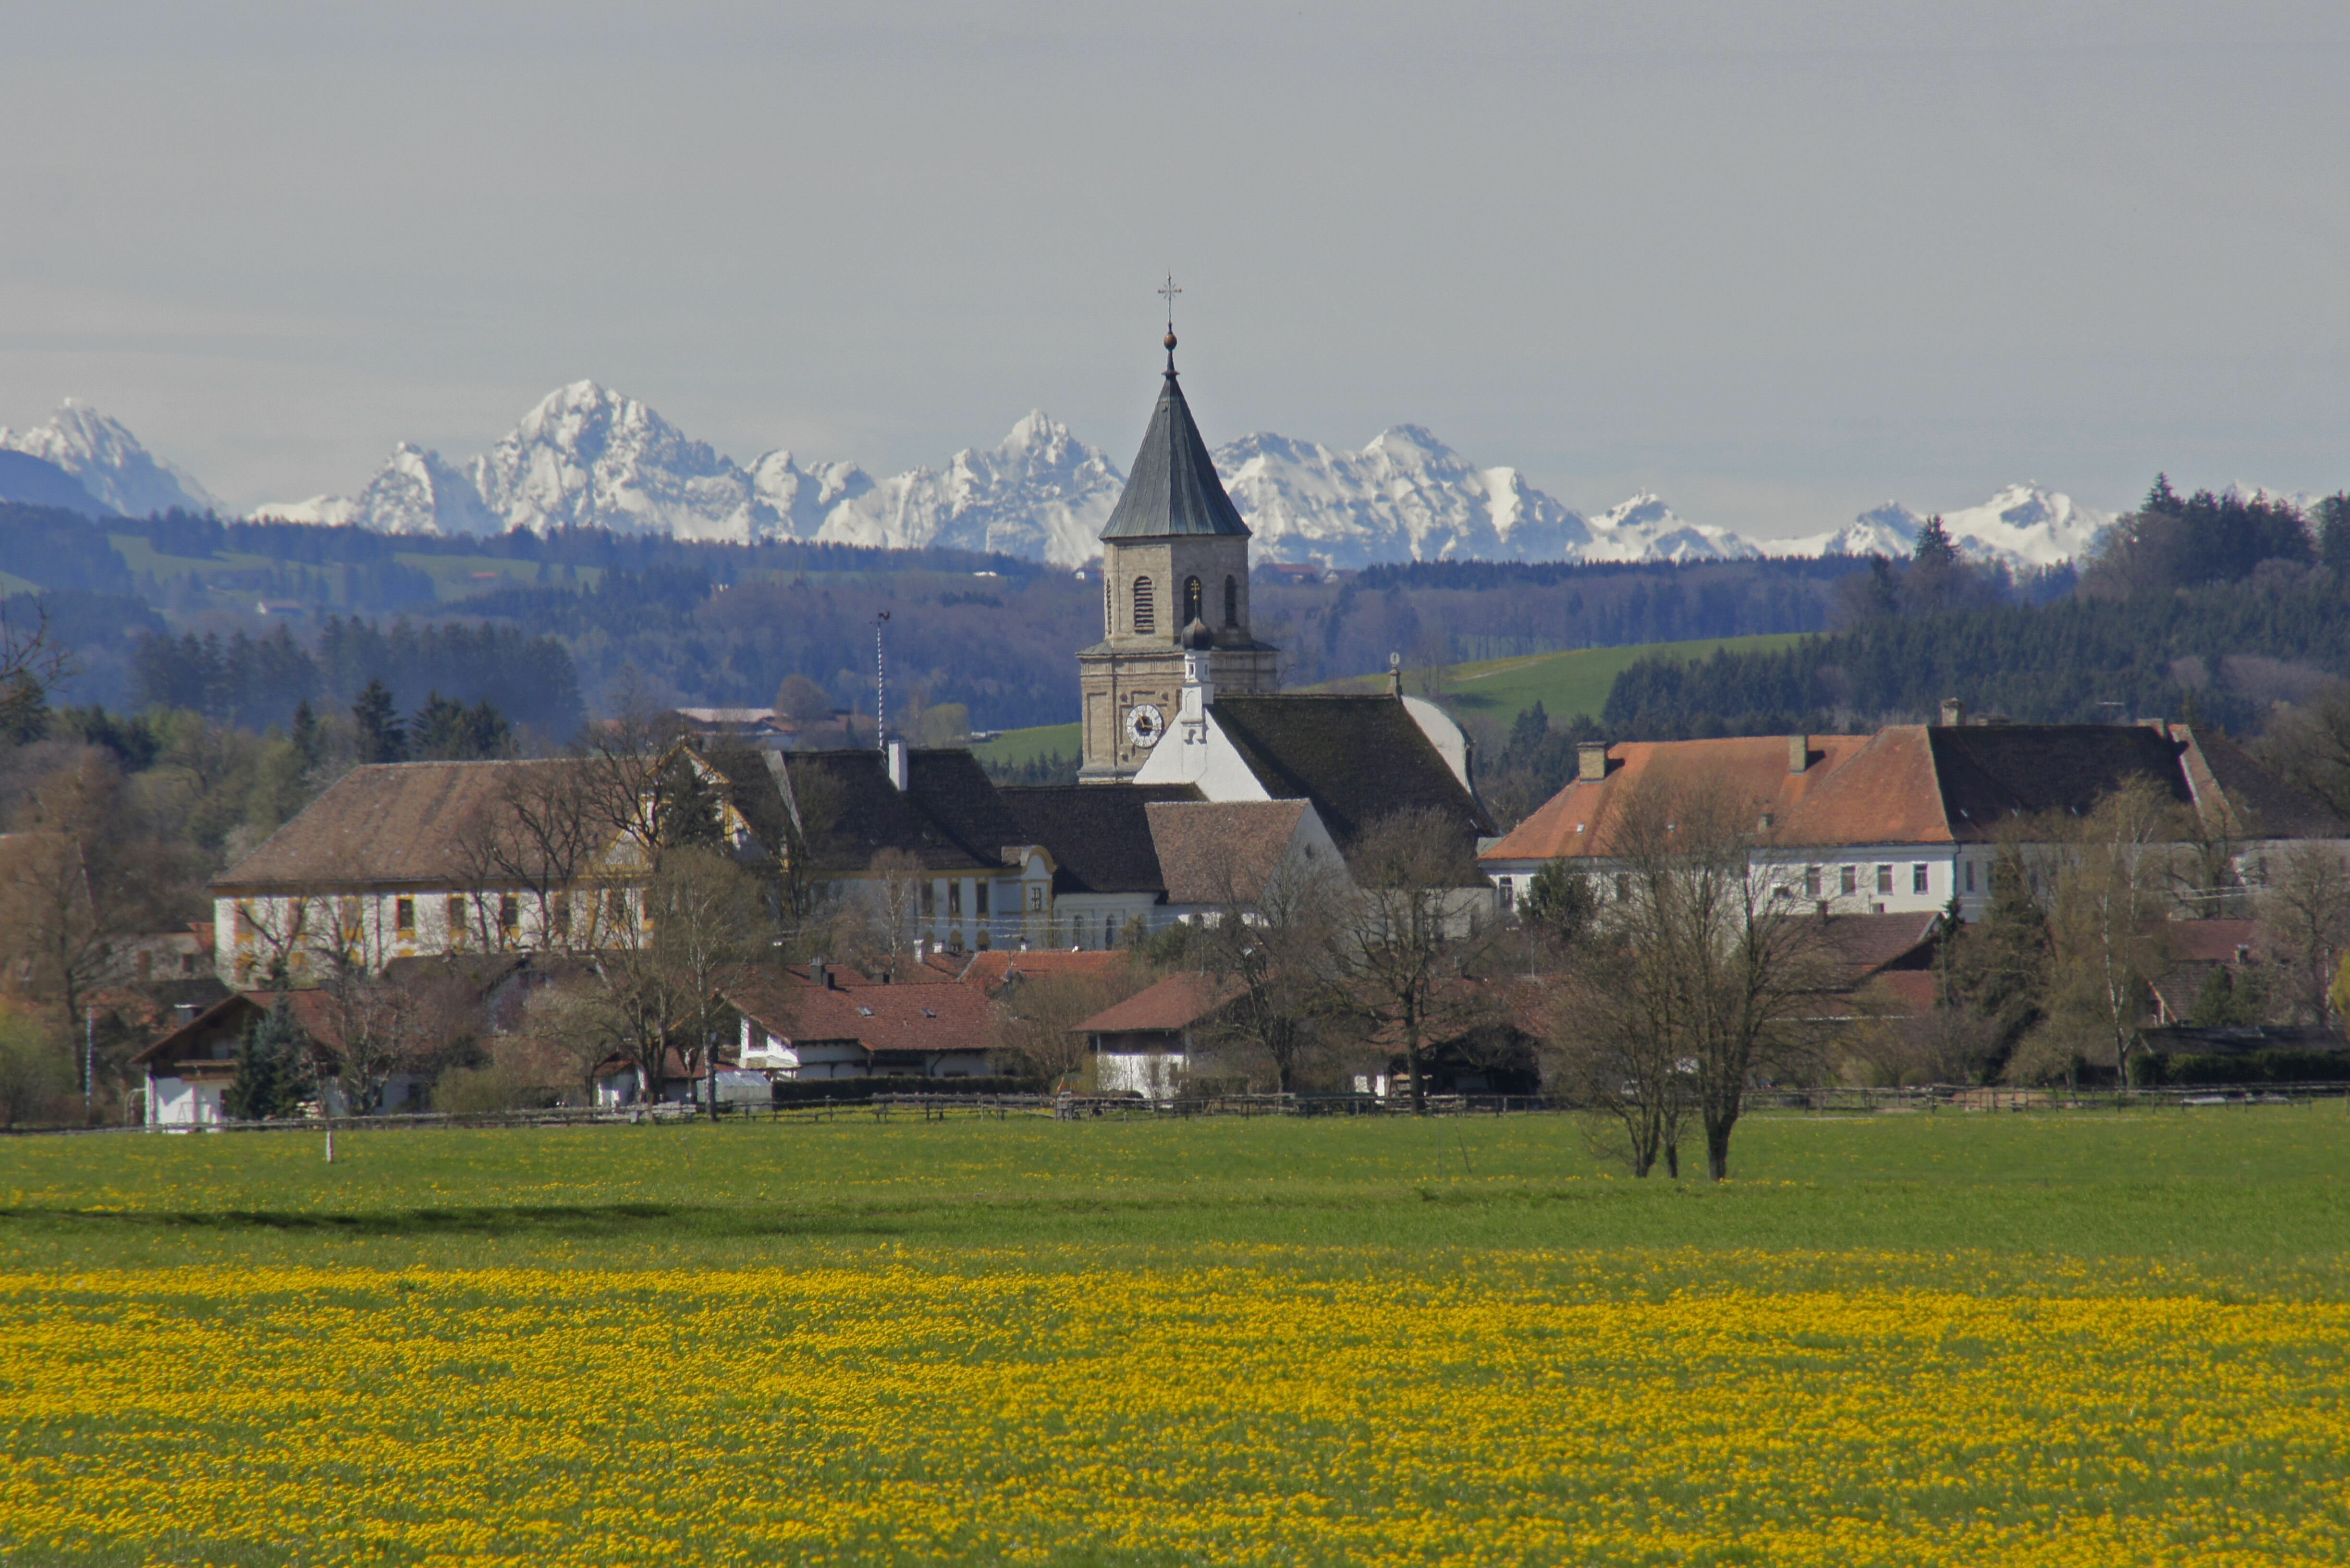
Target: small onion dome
{"points": [[1170, 340], [1197, 634]]}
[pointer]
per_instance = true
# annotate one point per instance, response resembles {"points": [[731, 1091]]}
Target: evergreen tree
{"points": [[685, 808], [269, 1076], [1560, 902], [2333, 531], [382, 737], [1934, 546], [309, 738], [446, 730], [2001, 967]]}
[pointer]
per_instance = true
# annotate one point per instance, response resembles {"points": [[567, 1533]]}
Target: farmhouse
{"points": [[1911, 817], [821, 1021]]}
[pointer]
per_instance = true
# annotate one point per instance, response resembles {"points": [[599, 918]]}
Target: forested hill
{"points": [[2217, 608], [279, 612]]}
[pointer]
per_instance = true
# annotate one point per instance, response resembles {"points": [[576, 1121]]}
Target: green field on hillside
{"points": [[1565, 684], [1013, 747], [2048, 1338]]}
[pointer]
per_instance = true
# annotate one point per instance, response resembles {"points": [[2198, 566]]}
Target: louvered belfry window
{"points": [[1231, 601], [1146, 618]]}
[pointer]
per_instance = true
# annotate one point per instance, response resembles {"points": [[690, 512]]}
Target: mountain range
{"points": [[588, 456]]}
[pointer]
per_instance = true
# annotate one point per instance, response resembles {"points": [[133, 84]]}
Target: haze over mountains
{"points": [[588, 456]]}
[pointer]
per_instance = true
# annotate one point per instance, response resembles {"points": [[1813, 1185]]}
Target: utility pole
{"points": [[880, 689], [88, 1059]]}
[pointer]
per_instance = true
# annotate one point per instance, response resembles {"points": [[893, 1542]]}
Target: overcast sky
{"points": [[1777, 262]]}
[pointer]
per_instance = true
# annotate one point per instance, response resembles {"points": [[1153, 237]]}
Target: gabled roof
{"points": [[1992, 772], [384, 823], [948, 816], [1098, 834], [1174, 1004], [790, 1006], [1358, 759], [1218, 852], [2266, 805], [1172, 489], [1582, 819]]}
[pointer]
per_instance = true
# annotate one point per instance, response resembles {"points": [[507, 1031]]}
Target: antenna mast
{"points": [[880, 689]]}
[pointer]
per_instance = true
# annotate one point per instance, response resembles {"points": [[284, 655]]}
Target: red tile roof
{"points": [[993, 970], [1174, 1004], [879, 1017], [1581, 819]]}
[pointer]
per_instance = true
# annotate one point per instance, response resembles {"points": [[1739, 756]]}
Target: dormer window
{"points": [[1146, 616]]}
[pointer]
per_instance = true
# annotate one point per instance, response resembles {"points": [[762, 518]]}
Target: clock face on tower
{"points": [[1144, 724]]}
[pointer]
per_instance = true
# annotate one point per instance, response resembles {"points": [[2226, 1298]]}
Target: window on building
{"points": [[1623, 884], [1921, 880], [954, 897], [1971, 876], [456, 919], [615, 908], [1146, 618], [347, 916], [1850, 883], [1811, 881], [561, 919], [1885, 878], [1108, 629], [509, 913], [1508, 898], [1035, 894], [1231, 601], [978, 900], [403, 916], [930, 899], [1193, 608]]}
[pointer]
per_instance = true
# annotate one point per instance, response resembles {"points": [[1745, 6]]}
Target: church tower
{"points": [[1175, 583]]}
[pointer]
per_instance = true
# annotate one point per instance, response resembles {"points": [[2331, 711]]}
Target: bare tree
{"points": [[31, 665], [2106, 920], [1032, 1030], [1410, 929], [2305, 916], [545, 836], [1269, 942], [889, 907], [661, 990], [1712, 964]]}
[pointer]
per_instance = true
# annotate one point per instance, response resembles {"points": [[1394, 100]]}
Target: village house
{"points": [[1909, 818], [820, 1022]]}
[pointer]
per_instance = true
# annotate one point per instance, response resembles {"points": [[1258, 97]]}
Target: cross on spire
{"points": [[1168, 294]]}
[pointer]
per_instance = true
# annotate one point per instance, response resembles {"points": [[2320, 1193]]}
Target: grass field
{"points": [[1565, 684], [2027, 1339]]}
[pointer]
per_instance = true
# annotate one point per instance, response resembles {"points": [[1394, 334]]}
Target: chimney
{"points": [[1799, 752], [1954, 712], [1591, 761], [897, 755], [818, 975], [1395, 675]]}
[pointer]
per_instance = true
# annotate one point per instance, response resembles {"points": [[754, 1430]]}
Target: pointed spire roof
{"points": [[1172, 488]]}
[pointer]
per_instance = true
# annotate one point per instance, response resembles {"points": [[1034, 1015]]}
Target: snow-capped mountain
{"points": [[415, 493], [588, 457], [1407, 496], [2023, 525], [105, 460], [1039, 492], [1645, 529]]}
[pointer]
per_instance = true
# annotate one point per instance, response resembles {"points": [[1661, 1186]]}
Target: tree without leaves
{"points": [[2305, 917], [1407, 931], [1715, 963], [2106, 920], [1269, 941]]}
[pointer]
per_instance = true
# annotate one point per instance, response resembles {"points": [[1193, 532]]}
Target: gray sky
{"points": [[1775, 262]]}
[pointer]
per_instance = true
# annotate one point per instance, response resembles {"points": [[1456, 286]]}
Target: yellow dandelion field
{"points": [[1220, 1415], [2029, 1340]]}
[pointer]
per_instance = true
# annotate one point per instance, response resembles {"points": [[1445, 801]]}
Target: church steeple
{"points": [[1175, 597], [1172, 490]]}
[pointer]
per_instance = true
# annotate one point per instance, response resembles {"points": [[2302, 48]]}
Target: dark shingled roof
{"points": [[2277, 809], [1172, 488], [949, 816], [1358, 759], [1099, 835], [1992, 772]]}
